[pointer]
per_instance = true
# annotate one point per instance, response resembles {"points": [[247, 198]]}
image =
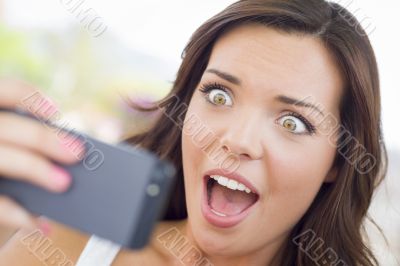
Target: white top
{"points": [[98, 252]]}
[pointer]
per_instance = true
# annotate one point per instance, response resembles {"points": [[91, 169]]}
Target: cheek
{"points": [[189, 151], [191, 158], [193, 143], [192, 154], [296, 177]]}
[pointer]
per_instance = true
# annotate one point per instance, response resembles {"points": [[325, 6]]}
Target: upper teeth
{"points": [[230, 183]]}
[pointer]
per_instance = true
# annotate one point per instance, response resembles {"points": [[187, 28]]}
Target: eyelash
{"points": [[207, 87]]}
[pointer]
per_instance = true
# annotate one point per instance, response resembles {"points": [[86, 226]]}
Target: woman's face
{"points": [[280, 156]]}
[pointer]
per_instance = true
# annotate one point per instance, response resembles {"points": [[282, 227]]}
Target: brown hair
{"points": [[338, 212]]}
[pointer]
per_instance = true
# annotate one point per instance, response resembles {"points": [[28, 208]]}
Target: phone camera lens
{"points": [[153, 190]]}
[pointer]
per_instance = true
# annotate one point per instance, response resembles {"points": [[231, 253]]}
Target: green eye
{"points": [[219, 97], [289, 124], [296, 124], [216, 94]]}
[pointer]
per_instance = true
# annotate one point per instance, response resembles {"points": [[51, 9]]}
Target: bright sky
{"points": [[162, 28]]}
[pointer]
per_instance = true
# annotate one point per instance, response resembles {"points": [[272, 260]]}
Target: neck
{"points": [[267, 255]]}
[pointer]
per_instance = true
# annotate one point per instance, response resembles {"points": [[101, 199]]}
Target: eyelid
{"points": [[206, 88], [311, 129], [209, 86]]}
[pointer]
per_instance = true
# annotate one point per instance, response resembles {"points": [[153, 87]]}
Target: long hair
{"points": [[337, 215]]}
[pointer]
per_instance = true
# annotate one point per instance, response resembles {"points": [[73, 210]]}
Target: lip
{"points": [[227, 221], [234, 176]]}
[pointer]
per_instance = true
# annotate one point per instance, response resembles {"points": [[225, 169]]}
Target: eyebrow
{"points": [[296, 102], [281, 98], [228, 77]]}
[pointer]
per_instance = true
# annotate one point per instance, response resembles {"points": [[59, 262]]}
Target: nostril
{"points": [[225, 148]]}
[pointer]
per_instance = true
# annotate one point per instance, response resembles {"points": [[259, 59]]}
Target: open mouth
{"points": [[228, 199]]}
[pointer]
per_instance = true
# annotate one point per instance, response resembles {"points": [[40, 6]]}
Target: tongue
{"points": [[228, 201]]}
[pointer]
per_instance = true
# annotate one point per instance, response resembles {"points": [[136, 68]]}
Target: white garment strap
{"points": [[98, 252]]}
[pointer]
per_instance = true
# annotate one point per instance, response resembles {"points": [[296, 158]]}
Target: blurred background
{"points": [[87, 54]]}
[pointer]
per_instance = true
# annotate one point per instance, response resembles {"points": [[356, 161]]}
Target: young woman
{"points": [[289, 92]]}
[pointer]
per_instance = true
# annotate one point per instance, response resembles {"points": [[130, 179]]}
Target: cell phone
{"points": [[118, 192]]}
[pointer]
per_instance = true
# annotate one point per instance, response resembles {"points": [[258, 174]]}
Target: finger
{"points": [[21, 164], [12, 215], [39, 137], [12, 92], [17, 94]]}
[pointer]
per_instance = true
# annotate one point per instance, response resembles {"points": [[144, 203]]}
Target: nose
{"points": [[242, 136]]}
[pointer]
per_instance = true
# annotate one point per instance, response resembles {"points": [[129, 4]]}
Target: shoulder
{"points": [[62, 246], [155, 253]]}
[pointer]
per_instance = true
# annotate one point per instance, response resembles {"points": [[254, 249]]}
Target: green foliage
{"points": [[18, 60]]}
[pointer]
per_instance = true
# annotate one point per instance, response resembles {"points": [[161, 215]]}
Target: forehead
{"points": [[272, 62]]}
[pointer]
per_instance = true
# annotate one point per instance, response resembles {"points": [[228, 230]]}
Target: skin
{"points": [[287, 168]]}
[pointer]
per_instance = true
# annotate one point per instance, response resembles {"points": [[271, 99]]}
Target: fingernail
{"points": [[61, 177], [47, 108], [44, 226]]}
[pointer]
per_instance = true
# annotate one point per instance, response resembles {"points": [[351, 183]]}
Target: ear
{"points": [[332, 175]]}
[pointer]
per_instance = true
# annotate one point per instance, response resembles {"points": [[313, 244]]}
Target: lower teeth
{"points": [[218, 213]]}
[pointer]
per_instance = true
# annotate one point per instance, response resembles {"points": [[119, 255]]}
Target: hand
{"points": [[28, 147]]}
